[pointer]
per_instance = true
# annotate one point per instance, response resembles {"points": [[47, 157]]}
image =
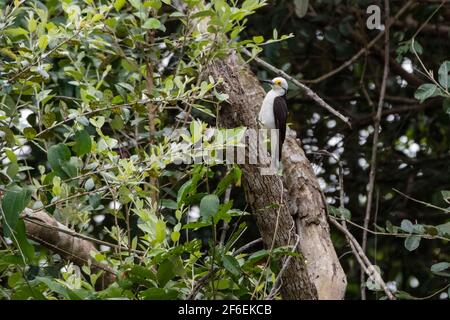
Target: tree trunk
{"points": [[307, 206], [318, 273]]}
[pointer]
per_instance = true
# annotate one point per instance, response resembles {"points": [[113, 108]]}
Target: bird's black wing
{"points": [[280, 112]]}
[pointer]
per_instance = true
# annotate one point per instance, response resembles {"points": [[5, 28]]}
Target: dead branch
{"points": [[45, 230]]}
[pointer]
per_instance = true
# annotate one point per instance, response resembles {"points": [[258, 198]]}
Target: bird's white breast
{"points": [[266, 116]]}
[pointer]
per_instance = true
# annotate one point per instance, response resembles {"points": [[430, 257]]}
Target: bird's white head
{"points": [[279, 84]]}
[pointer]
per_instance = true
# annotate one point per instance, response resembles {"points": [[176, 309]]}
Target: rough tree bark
{"points": [[302, 211], [307, 206], [44, 229]]}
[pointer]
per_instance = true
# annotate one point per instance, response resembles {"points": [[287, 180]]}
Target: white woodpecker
{"points": [[274, 111]]}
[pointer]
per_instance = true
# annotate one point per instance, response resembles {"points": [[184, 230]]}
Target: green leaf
{"points": [[197, 225], [57, 156], [69, 169], [417, 47], [137, 4], [175, 236], [11, 155], [407, 226], [301, 7], [345, 213], [151, 23], [14, 279], [117, 123], [22, 241], [231, 265], [444, 78], [90, 184], [160, 294], [15, 32], [155, 4], [13, 203], [43, 42], [196, 129], [166, 271], [32, 25], [275, 34], [12, 170], [403, 295], [256, 256], [54, 286], [118, 4], [339, 212], [221, 96], [446, 105], [224, 212], [8, 136], [182, 192], [48, 119], [160, 232], [168, 203], [441, 266], [231, 176], [258, 39], [202, 13], [425, 91], [412, 242], [97, 17], [29, 133], [209, 206], [82, 143], [444, 229], [333, 36]]}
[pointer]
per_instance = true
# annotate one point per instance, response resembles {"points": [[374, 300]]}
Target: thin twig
{"points": [[247, 246], [277, 285], [377, 120], [200, 283], [357, 251], [111, 107], [368, 268], [429, 19], [393, 234], [422, 202], [272, 246], [225, 225], [43, 56]]}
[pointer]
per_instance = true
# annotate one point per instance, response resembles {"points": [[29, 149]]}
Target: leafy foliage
{"points": [[78, 82]]}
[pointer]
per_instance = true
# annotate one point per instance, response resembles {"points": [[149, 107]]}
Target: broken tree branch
{"points": [[45, 230]]}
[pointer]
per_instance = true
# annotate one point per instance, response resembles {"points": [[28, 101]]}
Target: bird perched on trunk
{"points": [[274, 111]]}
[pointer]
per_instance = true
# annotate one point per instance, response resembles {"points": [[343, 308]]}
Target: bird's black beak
{"points": [[267, 81]]}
